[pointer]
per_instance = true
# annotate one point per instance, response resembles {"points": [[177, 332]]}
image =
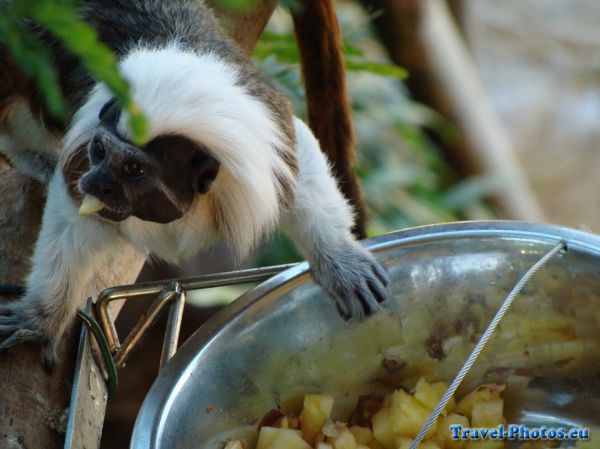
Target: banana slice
{"points": [[90, 204]]}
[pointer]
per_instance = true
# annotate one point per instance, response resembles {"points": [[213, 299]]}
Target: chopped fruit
{"points": [[315, 412], [90, 205], [389, 422], [273, 438]]}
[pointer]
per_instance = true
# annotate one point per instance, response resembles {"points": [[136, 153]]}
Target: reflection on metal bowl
{"points": [[284, 338]]}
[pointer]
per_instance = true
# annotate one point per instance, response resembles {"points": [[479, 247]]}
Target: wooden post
{"points": [[33, 404]]}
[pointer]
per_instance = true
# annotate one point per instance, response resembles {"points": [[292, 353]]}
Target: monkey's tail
{"points": [[320, 42]]}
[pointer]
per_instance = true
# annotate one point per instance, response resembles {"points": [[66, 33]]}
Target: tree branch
{"points": [[34, 403]]}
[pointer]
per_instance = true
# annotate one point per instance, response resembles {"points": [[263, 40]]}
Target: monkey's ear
{"points": [[206, 169]]}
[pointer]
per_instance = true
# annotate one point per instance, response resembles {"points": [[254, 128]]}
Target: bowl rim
{"points": [[150, 422]]}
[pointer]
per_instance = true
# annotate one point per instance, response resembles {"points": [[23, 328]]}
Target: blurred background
{"points": [[469, 109], [463, 110], [539, 62]]}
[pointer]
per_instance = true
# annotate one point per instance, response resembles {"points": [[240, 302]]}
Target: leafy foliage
{"points": [[60, 19], [405, 178], [34, 60], [237, 5], [247, 5]]}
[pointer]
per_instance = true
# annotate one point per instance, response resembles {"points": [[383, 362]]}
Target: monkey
{"points": [[225, 159]]}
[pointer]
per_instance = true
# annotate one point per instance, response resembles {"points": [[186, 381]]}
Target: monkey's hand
{"points": [[352, 276], [319, 222], [23, 321]]}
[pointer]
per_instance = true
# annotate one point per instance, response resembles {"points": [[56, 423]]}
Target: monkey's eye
{"points": [[133, 169], [98, 149]]}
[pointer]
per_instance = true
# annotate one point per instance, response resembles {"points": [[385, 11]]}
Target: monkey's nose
{"points": [[101, 185]]}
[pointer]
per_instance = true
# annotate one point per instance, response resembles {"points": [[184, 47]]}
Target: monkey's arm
{"points": [[320, 223], [25, 142], [68, 251]]}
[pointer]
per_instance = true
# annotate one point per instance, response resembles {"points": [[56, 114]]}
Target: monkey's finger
{"points": [[367, 300], [7, 319], [341, 308], [378, 290], [6, 309], [9, 328], [354, 303], [381, 273], [20, 336]]}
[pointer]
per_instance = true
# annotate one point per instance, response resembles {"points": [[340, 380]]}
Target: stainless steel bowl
{"points": [[285, 338]]}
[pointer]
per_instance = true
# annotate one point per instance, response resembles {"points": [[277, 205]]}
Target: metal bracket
{"points": [[167, 294], [90, 390]]}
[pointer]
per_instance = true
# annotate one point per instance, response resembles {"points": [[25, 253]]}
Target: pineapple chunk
{"points": [[408, 415], [234, 445], [483, 393], [429, 445], [443, 434], [274, 438], [90, 205], [323, 445], [488, 413], [362, 435], [315, 412], [485, 444], [375, 445], [382, 428], [404, 443], [440, 388], [541, 445], [344, 440], [429, 394]]}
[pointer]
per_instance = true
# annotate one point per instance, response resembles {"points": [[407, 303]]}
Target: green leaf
{"points": [[473, 189], [282, 46], [34, 60], [237, 5], [377, 68], [81, 39], [294, 6]]}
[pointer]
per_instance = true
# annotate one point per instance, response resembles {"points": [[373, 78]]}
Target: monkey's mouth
{"points": [[92, 205]]}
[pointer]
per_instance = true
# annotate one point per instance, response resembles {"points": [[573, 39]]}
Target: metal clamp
{"points": [[167, 294], [90, 392]]}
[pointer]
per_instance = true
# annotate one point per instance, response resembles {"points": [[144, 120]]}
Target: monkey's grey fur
{"points": [[225, 160]]}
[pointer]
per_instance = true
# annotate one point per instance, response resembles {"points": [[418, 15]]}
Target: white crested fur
{"points": [[68, 249], [84, 121], [199, 96], [320, 216], [27, 144]]}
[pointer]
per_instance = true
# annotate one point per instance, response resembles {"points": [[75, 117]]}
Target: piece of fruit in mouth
{"points": [[90, 205]]}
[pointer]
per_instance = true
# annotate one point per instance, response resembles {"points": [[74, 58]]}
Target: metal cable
{"points": [[560, 246]]}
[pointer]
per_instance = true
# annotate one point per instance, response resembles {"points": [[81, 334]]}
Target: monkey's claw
{"points": [[16, 327], [354, 279]]}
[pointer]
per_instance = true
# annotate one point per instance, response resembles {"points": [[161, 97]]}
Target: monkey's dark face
{"points": [[155, 183]]}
